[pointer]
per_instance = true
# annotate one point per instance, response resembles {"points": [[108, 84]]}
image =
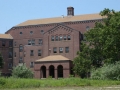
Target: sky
{"points": [[14, 12]]}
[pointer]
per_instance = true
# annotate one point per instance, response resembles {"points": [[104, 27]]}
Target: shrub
{"points": [[110, 71], [21, 71]]}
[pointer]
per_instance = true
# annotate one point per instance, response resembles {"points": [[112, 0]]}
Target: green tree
{"points": [[21, 71], [1, 61], [102, 43]]}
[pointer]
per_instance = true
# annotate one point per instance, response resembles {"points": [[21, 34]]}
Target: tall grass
{"points": [[13, 83]]}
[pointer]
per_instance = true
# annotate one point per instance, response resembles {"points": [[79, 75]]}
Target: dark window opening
{"points": [[10, 54], [69, 38], [51, 71], [55, 50], [29, 42], [14, 43], [31, 53], [20, 48], [65, 38], [21, 33], [31, 64], [3, 43], [33, 41], [52, 38], [10, 65], [42, 31], [20, 60], [60, 50], [43, 72], [31, 32], [60, 38], [87, 28], [40, 41], [39, 52], [66, 49], [10, 43], [60, 71], [15, 54], [56, 38]]}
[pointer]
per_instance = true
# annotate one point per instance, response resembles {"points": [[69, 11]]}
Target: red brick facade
{"points": [[33, 42]]}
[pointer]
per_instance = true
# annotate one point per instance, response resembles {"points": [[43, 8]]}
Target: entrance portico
{"points": [[55, 66]]}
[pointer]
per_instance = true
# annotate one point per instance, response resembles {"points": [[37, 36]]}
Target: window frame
{"points": [[67, 50], [54, 49]]}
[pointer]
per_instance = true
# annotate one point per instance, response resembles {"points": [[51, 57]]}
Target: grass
{"points": [[13, 83]]}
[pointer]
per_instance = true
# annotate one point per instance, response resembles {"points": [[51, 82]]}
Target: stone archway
{"points": [[51, 71], [43, 72], [60, 71]]}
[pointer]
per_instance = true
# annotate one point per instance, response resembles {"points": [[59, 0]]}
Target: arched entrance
{"points": [[43, 72], [51, 71], [60, 71]]}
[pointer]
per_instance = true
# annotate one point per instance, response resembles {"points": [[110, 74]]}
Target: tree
{"points": [[1, 61], [21, 71], [102, 43]]}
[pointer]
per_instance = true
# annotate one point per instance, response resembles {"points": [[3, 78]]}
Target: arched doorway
{"points": [[43, 72], [60, 71], [51, 71]]}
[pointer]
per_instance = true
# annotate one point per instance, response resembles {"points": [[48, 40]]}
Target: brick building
{"points": [[48, 46]]}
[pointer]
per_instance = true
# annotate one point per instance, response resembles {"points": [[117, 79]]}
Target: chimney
{"points": [[70, 11]]}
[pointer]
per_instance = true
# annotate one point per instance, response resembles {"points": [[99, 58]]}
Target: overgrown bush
{"points": [[21, 71], [110, 71]]}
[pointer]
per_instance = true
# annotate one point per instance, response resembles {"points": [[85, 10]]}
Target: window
{"points": [[68, 37], [66, 49], [3, 43], [9, 65], [10, 54], [87, 28], [52, 38], [20, 60], [10, 43], [33, 41], [31, 64], [21, 33], [40, 41], [65, 38], [42, 31], [60, 38], [29, 42], [15, 54], [55, 50], [60, 50], [56, 38], [31, 32], [31, 53], [39, 52], [20, 48], [14, 43]]}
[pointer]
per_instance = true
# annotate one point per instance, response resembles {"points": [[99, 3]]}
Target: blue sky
{"points": [[13, 12]]}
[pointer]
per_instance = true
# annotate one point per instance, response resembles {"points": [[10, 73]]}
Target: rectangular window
{"points": [[66, 49], [20, 48], [10, 54], [52, 38], [56, 38], [33, 41], [55, 50], [3, 43], [31, 53], [68, 37], [29, 42], [14, 43], [60, 49], [40, 41], [31, 64], [15, 54], [60, 38], [9, 65], [10, 43], [39, 52], [65, 38], [20, 60], [31, 32]]}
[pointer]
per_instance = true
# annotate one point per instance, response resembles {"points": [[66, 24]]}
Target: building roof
{"points": [[61, 19], [6, 36], [53, 58]]}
